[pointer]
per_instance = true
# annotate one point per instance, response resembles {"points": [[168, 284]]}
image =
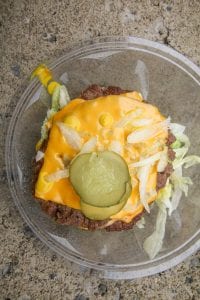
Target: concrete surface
{"points": [[32, 31]]}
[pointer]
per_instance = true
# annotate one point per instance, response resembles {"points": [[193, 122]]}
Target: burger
{"points": [[104, 157]]}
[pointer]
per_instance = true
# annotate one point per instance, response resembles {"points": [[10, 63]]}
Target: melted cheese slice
{"points": [[89, 115]]}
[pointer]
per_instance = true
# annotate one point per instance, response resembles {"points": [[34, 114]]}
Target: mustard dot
{"points": [[72, 121], [52, 86], [38, 70], [43, 74], [106, 120]]}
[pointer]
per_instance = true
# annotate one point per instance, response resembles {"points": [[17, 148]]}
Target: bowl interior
{"points": [[164, 80]]}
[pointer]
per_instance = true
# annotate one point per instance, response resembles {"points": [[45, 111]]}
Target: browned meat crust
{"points": [[63, 214], [95, 91]]}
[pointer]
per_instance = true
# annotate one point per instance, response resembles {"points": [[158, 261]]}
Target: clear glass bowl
{"points": [[166, 79]]}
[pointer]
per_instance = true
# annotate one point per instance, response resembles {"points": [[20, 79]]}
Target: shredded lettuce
{"points": [[59, 99], [181, 182], [164, 195], [153, 244], [55, 99], [168, 198], [176, 197], [176, 128], [182, 143], [180, 185], [191, 160], [187, 161], [50, 113], [44, 130], [177, 144], [181, 147], [64, 96]]}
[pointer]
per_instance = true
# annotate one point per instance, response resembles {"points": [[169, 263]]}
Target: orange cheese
{"points": [[89, 114]]}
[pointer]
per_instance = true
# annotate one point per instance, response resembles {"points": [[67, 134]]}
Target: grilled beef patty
{"points": [[69, 216]]}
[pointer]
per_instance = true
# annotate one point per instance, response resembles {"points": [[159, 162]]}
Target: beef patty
{"points": [[63, 214]]}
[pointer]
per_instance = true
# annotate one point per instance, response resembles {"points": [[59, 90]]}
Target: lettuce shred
{"points": [[59, 99], [169, 197]]}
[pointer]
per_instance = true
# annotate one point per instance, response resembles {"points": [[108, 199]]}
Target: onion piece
{"points": [[163, 160], [71, 136], [147, 161], [141, 135], [89, 145], [116, 147], [140, 224], [141, 122], [143, 174], [128, 117], [39, 155], [56, 176]]}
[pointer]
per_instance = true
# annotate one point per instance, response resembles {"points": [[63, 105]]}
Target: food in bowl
{"points": [[105, 157]]}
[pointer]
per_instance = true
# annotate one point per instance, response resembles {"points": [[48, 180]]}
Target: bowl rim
{"points": [[111, 271]]}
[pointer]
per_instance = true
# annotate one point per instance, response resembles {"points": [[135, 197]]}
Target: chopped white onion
{"points": [[39, 156], [141, 135], [163, 160], [128, 117], [89, 145], [143, 174], [56, 176], [141, 122], [116, 146], [146, 161], [71, 136], [140, 224]]}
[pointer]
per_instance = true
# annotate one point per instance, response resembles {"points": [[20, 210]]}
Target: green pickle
{"points": [[102, 181], [102, 213]]}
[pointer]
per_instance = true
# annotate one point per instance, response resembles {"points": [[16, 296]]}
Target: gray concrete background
{"points": [[30, 32]]}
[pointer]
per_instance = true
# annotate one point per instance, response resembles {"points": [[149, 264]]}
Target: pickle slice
{"points": [[99, 178], [103, 213]]}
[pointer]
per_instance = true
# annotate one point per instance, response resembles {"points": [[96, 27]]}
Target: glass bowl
{"points": [[166, 79]]}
